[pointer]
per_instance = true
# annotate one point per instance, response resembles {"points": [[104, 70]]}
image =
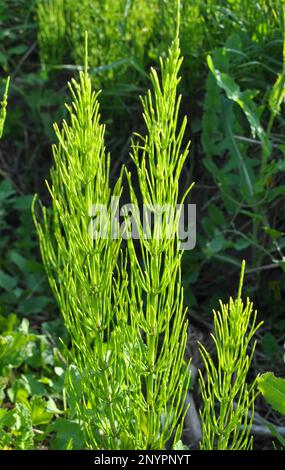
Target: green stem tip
{"points": [[241, 278], [86, 52]]}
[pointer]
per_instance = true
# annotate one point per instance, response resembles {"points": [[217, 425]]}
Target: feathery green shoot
{"points": [[128, 336], [3, 107], [157, 310], [228, 399], [82, 270]]}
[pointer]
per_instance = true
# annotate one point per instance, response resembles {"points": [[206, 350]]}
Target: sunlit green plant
{"points": [[3, 107], [129, 379], [273, 391], [228, 399], [82, 270], [157, 309]]}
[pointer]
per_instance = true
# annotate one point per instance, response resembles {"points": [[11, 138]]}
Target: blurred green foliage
{"points": [[22, 279], [33, 411]]}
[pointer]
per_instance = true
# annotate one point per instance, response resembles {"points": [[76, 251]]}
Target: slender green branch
{"points": [[157, 313], [228, 399]]}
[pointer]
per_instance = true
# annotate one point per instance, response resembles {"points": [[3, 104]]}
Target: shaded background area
{"points": [[237, 159]]}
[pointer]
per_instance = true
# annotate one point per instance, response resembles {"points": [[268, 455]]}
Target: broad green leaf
{"points": [[46, 381], [19, 260], [216, 215], [7, 282], [34, 305], [17, 50], [245, 101], [242, 161], [277, 94], [39, 412], [216, 244], [224, 81], [272, 232], [270, 346], [273, 390], [241, 244], [52, 408], [23, 202], [66, 431], [9, 323], [6, 190], [274, 193]]}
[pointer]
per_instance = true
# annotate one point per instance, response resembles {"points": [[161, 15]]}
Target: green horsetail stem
{"points": [[83, 271], [128, 375], [3, 107], [227, 397], [157, 310]]}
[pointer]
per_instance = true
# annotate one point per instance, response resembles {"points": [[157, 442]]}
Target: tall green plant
{"points": [[227, 397], [157, 310], [130, 378], [3, 107], [82, 270]]}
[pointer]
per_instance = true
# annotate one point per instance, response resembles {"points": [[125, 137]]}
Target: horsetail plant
{"points": [[228, 400], [83, 272], [128, 331], [157, 313], [3, 107]]}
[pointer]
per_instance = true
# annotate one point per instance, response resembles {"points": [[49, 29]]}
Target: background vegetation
{"points": [[232, 87]]}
